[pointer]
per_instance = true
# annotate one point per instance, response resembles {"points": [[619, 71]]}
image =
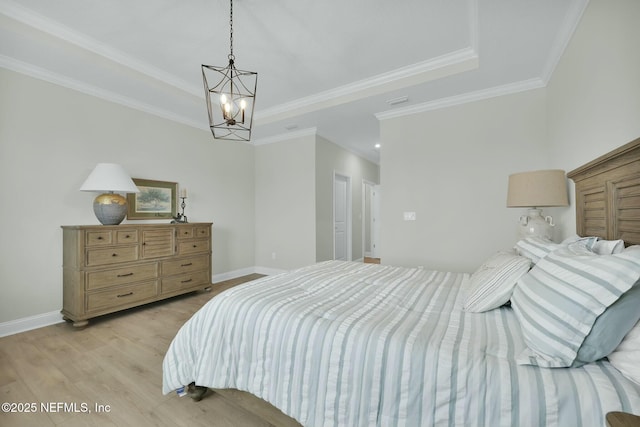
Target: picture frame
{"points": [[156, 200]]}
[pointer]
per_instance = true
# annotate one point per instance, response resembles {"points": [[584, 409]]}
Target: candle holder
{"points": [[181, 217]]}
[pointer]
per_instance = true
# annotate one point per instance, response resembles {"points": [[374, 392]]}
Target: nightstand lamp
{"points": [[533, 190], [108, 178]]}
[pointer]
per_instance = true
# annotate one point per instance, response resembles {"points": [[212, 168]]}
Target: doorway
{"points": [[341, 217], [370, 221]]}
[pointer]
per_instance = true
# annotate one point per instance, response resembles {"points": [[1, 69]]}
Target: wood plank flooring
{"points": [[110, 374]]}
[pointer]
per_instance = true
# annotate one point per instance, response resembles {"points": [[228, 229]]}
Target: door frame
{"points": [[367, 252], [349, 210]]}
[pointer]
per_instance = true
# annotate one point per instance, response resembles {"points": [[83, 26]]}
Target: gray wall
{"points": [[593, 101], [451, 167], [285, 203], [51, 138]]}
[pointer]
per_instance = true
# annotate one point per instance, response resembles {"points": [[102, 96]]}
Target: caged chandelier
{"points": [[230, 95]]}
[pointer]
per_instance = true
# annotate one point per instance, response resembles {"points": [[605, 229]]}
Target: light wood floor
{"points": [[116, 361]]}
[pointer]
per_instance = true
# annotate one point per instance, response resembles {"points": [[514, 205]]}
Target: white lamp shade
{"points": [[109, 177], [537, 189]]}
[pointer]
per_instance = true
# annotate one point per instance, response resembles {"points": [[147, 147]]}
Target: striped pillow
{"points": [[559, 300], [535, 248], [493, 282]]}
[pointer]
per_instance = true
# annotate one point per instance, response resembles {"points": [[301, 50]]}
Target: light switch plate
{"points": [[409, 216]]}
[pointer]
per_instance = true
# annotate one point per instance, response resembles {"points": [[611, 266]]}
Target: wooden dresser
{"points": [[111, 268]]}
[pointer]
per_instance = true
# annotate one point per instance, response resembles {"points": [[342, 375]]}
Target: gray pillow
{"points": [[610, 327]]}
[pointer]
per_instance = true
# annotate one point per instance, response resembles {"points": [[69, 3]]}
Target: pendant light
{"points": [[230, 95]]}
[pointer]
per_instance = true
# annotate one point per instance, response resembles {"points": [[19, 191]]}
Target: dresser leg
{"points": [[80, 323]]}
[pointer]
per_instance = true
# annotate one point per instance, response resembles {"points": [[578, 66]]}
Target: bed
{"points": [[351, 344]]}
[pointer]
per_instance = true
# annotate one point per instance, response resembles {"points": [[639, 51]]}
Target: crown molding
{"points": [[451, 101], [445, 65], [286, 136], [60, 80], [28, 17]]}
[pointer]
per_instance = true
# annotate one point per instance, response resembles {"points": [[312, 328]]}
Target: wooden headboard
{"points": [[608, 195]]}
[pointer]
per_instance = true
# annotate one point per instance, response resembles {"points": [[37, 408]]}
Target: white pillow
{"points": [[625, 358], [493, 282], [608, 247], [588, 241]]}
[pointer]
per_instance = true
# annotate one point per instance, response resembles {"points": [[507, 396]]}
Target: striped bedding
{"points": [[352, 344]]}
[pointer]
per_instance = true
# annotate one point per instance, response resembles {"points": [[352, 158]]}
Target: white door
{"points": [[375, 222], [340, 217]]}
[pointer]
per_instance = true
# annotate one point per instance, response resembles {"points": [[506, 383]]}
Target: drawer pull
{"points": [[187, 281], [195, 246], [125, 295], [125, 275], [186, 265], [114, 254], [99, 237]]}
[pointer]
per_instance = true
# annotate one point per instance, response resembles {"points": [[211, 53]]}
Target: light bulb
{"points": [[223, 99], [243, 104], [227, 107]]}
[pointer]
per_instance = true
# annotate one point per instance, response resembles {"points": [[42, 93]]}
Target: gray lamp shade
{"points": [[537, 189]]}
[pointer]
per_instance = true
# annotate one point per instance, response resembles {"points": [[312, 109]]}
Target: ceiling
{"points": [[328, 67]]}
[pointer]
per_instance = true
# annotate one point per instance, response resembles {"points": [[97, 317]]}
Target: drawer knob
{"points": [[195, 246], [99, 237], [114, 254], [125, 295]]}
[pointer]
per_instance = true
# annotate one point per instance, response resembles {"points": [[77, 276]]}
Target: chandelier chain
{"points": [[231, 57]]}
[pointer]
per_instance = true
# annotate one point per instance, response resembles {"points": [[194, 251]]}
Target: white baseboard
{"points": [[269, 271], [46, 319], [28, 323], [232, 274]]}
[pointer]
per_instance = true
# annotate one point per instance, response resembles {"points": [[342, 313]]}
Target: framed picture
{"points": [[156, 200]]}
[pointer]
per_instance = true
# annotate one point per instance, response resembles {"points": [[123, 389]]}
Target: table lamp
{"points": [[533, 190], [109, 178]]}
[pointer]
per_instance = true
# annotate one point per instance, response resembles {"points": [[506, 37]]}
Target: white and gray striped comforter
{"points": [[352, 344]]}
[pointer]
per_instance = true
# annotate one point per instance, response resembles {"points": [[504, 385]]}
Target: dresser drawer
{"points": [[113, 255], [202, 232], [169, 268], [99, 238], [120, 276], [185, 232], [185, 281], [188, 232], [122, 295], [193, 247], [126, 236]]}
